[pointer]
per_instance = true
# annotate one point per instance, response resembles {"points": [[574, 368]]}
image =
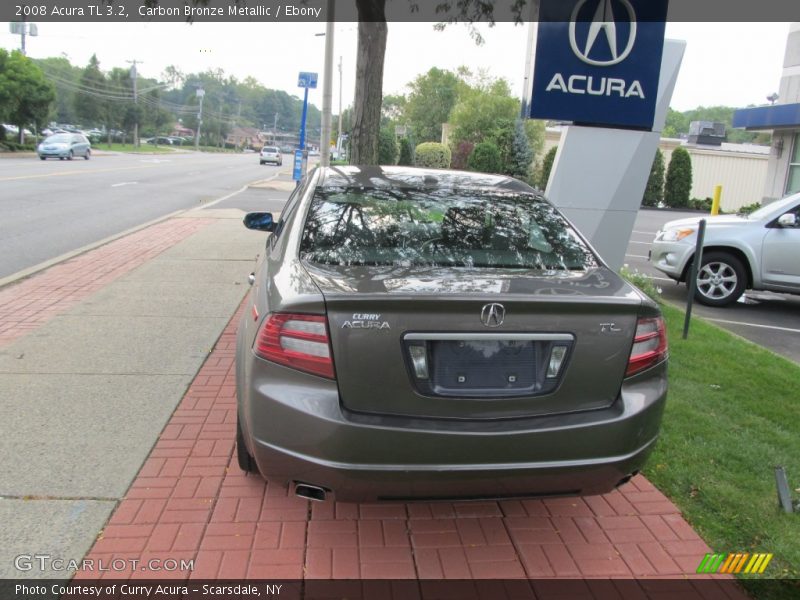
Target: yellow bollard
{"points": [[716, 200]]}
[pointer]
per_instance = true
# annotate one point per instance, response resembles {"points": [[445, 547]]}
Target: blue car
{"points": [[65, 145]]}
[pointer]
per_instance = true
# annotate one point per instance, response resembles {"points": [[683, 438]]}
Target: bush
{"points": [[547, 166], [461, 154], [654, 192], [678, 185], [642, 281], [748, 208], [387, 147], [433, 155], [485, 158], [406, 153]]}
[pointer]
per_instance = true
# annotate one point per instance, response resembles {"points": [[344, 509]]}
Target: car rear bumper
{"points": [[300, 433]]}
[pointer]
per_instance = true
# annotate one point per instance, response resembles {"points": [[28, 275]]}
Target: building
{"points": [[783, 120], [741, 169]]}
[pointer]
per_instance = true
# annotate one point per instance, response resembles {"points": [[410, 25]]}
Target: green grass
{"points": [[144, 148], [733, 413]]}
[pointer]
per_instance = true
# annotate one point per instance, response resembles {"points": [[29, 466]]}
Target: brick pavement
{"points": [[191, 501], [28, 304]]}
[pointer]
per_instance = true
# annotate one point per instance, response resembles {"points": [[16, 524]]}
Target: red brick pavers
{"points": [[29, 304], [191, 501]]}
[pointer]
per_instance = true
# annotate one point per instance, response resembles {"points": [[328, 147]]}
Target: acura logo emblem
{"points": [[492, 315], [603, 20]]}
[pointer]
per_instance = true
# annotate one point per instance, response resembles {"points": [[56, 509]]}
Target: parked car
{"points": [[163, 140], [270, 154], [287, 149], [758, 251], [416, 333], [65, 145]]}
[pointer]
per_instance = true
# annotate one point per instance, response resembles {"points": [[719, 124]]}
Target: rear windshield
{"points": [[444, 227], [272, 150]]}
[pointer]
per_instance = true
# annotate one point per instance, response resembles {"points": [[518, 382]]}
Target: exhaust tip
{"points": [[626, 479], [310, 492]]}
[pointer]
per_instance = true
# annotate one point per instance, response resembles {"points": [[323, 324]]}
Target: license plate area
{"points": [[485, 365]]}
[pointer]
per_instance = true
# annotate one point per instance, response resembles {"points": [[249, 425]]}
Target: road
{"points": [[53, 207], [771, 320]]}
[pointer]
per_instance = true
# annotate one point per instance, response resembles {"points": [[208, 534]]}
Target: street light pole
{"points": [[327, 91], [200, 94], [339, 136]]}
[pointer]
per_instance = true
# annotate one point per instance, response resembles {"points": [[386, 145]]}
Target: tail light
{"points": [[297, 341], [649, 345]]}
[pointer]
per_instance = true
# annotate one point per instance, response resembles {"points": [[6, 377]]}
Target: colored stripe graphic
{"points": [[736, 562]]}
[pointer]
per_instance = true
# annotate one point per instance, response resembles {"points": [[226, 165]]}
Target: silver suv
{"points": [[271, 154], [758, 251]]}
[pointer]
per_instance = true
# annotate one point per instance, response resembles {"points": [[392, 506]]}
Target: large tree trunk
{"points": [[372, 33]]}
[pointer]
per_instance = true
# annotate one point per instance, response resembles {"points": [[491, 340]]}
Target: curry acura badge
{"points": [[493, 315], [366, 321]]}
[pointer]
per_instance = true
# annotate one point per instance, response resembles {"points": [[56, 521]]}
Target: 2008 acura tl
{"points": [[426, 334]]}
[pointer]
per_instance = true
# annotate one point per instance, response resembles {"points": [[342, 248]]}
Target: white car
{"points": [[270, 154], [759, 251]]}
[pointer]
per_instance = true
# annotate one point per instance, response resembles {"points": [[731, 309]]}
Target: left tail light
{"points": [[649, 345], [297, 341]]}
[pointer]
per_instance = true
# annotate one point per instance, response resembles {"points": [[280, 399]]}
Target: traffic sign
{"points": [[307, 80]]}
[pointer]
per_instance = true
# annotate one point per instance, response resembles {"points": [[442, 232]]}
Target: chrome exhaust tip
{"points": [[310, 492]]}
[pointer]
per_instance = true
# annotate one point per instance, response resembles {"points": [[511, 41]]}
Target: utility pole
{"points": [[327, 90], [200, 94], [135, 76], [23, 29], [339, 136]]}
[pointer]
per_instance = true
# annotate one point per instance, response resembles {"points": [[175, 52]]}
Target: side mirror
{"points": [[788, 220], [259, 221]]}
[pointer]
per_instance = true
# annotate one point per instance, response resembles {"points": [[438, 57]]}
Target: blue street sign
{"points": [[297, 171], [602, 66], [307, 80]]}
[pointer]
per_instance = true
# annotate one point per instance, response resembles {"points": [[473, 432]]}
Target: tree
{"points": [[519, 164], [485, 158], [433, 95], [547, 166], [485, 112], [654, 192], [387, 151], [27, 94], [91, 104], [406, 153], [678, 185]]}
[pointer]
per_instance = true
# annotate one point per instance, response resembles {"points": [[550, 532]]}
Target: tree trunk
{"points": [[372, 33]]}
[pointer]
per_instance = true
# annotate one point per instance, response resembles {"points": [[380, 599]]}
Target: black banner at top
{"points": [[434, 11]]}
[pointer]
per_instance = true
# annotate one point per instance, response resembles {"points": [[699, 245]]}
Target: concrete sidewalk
{"points": [[116, 370], [95, 353]]}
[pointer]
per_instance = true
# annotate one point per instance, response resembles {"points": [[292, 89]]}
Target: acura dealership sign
{"points": [[599, 65]]}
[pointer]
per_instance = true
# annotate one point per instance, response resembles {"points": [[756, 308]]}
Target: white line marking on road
{"points": [[636, 256], [645, 243], [124, 183], [789, 329], [155, 160], [653, 233]]}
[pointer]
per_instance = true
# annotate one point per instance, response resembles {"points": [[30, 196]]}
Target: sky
{"points": [[733, 64]]}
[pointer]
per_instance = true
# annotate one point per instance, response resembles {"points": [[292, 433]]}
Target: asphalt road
{"points": [[53, 207], [771, 320]]}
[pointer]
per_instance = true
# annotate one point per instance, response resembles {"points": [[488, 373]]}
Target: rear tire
{"points": [[42, 158], [243, 457], [71, 155], [721, 279], [87, 155]]}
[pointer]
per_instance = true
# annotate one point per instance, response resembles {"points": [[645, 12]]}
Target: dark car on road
{"points": [[432, 334]]}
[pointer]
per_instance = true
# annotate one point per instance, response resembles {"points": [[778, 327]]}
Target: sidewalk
{"points": [[97, 353]]}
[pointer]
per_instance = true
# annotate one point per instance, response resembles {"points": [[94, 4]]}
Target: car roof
{"points": [[417, 177]]}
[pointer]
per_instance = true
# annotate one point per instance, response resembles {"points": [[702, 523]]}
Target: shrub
{"points": [[521, 156], [406, 154], [433, 155], [678, 185], [748, 208], [485, 158], [642, 281], [461, 154], [387, 147], [547, 166], [654, 192]]}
